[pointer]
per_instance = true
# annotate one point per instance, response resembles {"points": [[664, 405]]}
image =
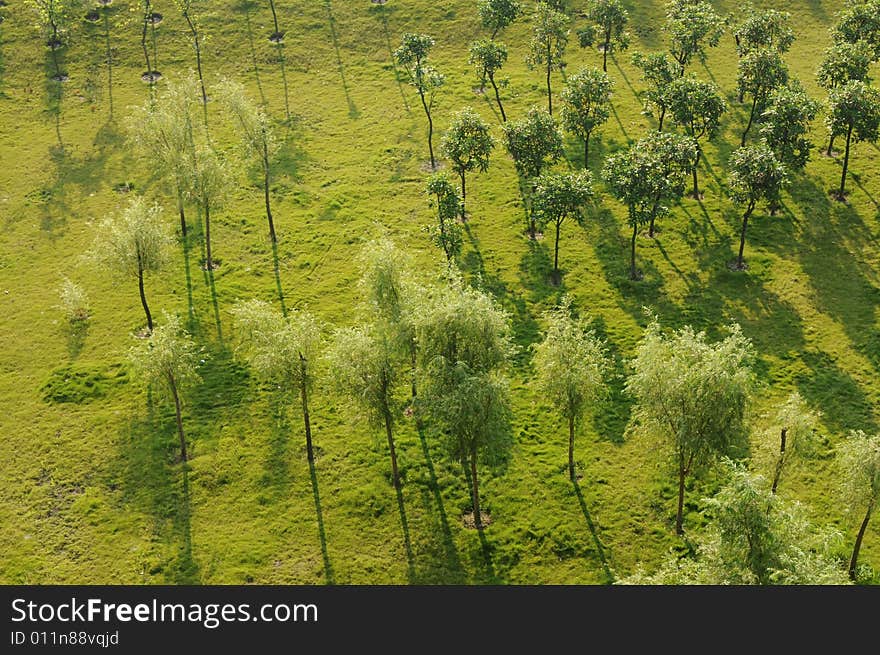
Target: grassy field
{"points": [[89, 488]]}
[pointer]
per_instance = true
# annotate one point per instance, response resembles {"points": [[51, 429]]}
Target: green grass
{"points": [[89, 487]]}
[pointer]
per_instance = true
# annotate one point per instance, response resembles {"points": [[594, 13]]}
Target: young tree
{"points": [[487, 58], [797, 425], [412, 55], [443, 195], [760, 73], [571, 364], [256, 134], [658, 72], [547, 47], [187, 10], [586, 104], [755, 174], [854, 111], [696, 106], [786, 123], [859, 21], [170, 358], [607, 27], [693, 395], [132, 243], [859, 461], [145, 11], [692, 25], [465, 343], [282, 350], [277, 35], [844, 62], [468, 144], [766, 28], [209, 184], [74, 302], [558, 196], [498, 14], [55, 18]]}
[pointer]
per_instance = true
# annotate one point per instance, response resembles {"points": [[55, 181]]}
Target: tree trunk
{"points": [[182, 214], [587, 151], [386, 414], [461, 174], [413, 352], [605, 57], [549, 93], [147, 19], [173, 384], [751, 119], [266, 193], [854, 560], [498, 99], [143, 296], [694, 172], [443, 238], [198, 47], [780, 462], [830, 146], [571, 447], [430, 129], [556, 251], [662, 116], [633, 274], [478, 516], [274, 16], [54, 50], [679, 516], [840, 196], [209, 262], [304, 398], [742, 236]]}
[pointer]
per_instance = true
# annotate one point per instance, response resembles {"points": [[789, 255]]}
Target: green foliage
{"points": [[760, 72], [495, 15], [755, 175], [534, 142], [169, 353], [76, 383], [854, 106], [696, 106], [412, 55], [252, 122], [210, 178], [74, 301], [468, 142], [549, 38], [607, 26], [766, 28], [800, 424], [786, 124], [859, 472], [859, 21], [844, 62], [560, 195], [487, 58], [388, 287], [586, 102], [658, 72], [133, 241], [56, 16], [444, 195], [692, 25]]}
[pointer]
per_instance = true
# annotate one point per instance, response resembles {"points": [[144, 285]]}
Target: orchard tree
{"points": [[696, 106], [765, 28], [760, 73], [558, 196], [443, 195], [209, 185], [692, 395], [467, 144], [134, 242], [658, 72], [786, 124], [586, 104], [465, 344], [797, 425], [859, 21], [55, 18], [755, 175], [692, 25], [412, 55], [488, 57], [255, 131], [145, 11], [498, 14], [277, 35], [607, 28], [844, 62], [547, 47], [170, 358], [859, 461], [188, 9], [282, 350], [854, 112], [571, 363]]}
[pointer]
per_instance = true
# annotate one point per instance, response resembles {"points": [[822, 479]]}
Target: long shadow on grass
{"points": [[489, 574], [600, 550], [278, 287], [245, 8], [328, 568], [186, 570], [281, 64], [382, 10], [105, 12], [276, 466], [611, 420], [352, 110], [410, 562]]}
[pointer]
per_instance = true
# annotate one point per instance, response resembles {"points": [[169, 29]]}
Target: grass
{"points": [[90, 490]]}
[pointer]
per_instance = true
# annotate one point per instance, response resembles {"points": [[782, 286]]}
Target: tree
{"points": [[646, 178], [132, 243], [186, 8], [547, 47], [843, 63], [696, 106], [797, 425], [210, 180], [760, 73], [693, 395], [145, 10], [607, 27], [256, 134], [55, 18], [488, 57], [498, 14], [692, 25], [277, 35], [755, 174], [281, 349], [162, 132], [786, 123], [465, 344], [558, 196], [534, 142], [658, 72], [443, 195], [412, 55], [859, 21], [766, 28], [468, 144], [854, 111], [586, 104], [571, 364], [859, 463], [170, 358]]}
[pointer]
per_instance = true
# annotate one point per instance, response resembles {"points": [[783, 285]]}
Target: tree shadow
{"points": [[105, 12], [536, 274], [279, 47], [186, 569], [382, 10], [352, 109], [600, 549], [620, 124], [328, 568], [76, 332], [489, 575], [844, 404], [612, 418], [278, 287], [410, 562], [276, 471], [245, 8], [625, 78], [187, 245]]}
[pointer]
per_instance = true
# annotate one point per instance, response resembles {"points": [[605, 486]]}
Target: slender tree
{"points": [[147, 21], [658, 71], [692, 25], [55, 18], [607, 28], [571, 364], [256, 134], [853, 112], [467, 144], [859, 463], [209, 185], [189, 10], [859, 21], [488, 57], [797, 425], [844, 62], [755, 175], [412, 55], [764, 28], [498, 14], [558, 196], [760, 73], [586, 105], [443, 195], [547, 46], [693, 395], [277, 35], [134, 242], [786, 125], [170, 358]]}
